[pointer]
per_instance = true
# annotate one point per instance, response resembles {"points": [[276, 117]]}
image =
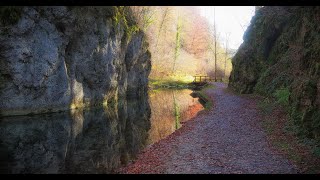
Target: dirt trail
{"points": [[227, 139]]}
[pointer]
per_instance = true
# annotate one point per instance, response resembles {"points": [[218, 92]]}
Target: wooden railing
{"points": [[199, 79]]}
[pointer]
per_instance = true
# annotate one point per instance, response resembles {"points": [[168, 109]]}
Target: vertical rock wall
{"points": [[57, 58]]}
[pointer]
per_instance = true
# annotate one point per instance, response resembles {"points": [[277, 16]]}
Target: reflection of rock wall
{"points": [[91, 141], [56, 58], [35, 144]]}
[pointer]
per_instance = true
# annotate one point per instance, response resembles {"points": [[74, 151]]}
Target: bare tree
{"points": [[178, 44], [162, 21], [144, 16], [226, 55], [215, 45]]}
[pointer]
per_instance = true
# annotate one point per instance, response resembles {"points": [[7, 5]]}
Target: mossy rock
{"points": [[281, 49]]}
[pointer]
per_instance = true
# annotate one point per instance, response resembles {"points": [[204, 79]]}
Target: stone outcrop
{"points": [[280, 53], [59, 58]]}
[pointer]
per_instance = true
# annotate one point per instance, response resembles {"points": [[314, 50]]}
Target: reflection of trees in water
{"points": [[176, 111], [94, 140], [168, 109], [82, 141]]}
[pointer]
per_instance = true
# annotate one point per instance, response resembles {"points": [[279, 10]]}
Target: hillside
{"points": [[279, 58]]}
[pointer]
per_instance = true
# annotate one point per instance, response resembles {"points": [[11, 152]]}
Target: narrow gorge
{"points": [[159, 89]]}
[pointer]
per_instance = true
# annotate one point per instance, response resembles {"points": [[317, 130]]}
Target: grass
{"points": [[182, 82], [167, 84], [282, 96], [172, 82]]}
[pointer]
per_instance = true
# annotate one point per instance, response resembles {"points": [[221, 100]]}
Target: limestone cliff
{"points": [[57, 58], [281, 53]]}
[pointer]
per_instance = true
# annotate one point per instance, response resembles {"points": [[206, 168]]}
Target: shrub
{"points": [[282, 96], [123, 16]]}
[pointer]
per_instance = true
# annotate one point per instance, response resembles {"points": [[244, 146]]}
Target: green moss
{"points": [[270, 81], [169, 84], [112, 102], [10, 15], [260, 87], [281, 50], [119, 15], [207, 102], [123, 16], [282, 96], [271, 126]]}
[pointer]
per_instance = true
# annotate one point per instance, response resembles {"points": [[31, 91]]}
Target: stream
{"points": [[97, 140]]}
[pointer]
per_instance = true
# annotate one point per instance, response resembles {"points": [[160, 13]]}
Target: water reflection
{"points": [[91, 141], [170, 109]]}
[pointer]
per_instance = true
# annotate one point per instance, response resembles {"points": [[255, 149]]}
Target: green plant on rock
{"points": [[144, 16], [121, 17], [201, 94], [282, 96], [119, 14]]}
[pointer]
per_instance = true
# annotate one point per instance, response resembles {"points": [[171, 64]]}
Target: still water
{"points": [[97, 140]]}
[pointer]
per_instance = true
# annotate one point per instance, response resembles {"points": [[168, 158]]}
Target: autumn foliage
{"points": [[180, 41]]}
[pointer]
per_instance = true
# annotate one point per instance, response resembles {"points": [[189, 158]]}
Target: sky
{"points": [[229, 19]]}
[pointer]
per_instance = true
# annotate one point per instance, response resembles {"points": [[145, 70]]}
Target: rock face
{"points": [[281, 51], [57, 58]]}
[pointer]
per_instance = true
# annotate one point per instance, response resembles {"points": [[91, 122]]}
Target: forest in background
{"points": [[182, 43]]}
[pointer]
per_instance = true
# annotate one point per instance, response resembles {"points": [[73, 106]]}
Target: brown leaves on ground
{"points": [[288, 144], [227, 139]]}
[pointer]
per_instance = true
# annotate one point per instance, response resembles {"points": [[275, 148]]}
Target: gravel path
{"points": [[226, 139]]}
